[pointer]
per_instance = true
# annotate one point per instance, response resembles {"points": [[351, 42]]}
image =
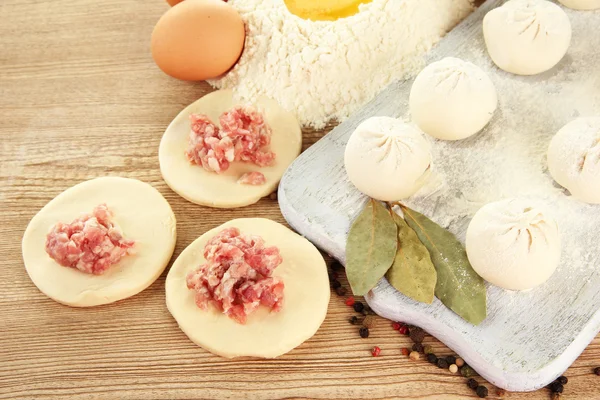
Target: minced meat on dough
{"points": [[237, 276], [244, 136], [91, 243], [252, 178]]}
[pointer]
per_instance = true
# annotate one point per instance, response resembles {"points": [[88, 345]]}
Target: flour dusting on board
{"points": [[326, 70]]}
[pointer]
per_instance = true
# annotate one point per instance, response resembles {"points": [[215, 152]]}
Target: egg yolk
{"points": [[324, 10]]}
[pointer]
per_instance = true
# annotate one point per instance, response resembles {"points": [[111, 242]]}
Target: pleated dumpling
{"points": [[513, 244]]}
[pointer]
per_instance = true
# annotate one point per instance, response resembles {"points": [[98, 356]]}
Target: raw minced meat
{"points": [[244, 136], [91, 243], [252, 178], [238, 275]]}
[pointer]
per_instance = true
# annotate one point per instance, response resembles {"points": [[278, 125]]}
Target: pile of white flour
{"points": [[326, 70]]}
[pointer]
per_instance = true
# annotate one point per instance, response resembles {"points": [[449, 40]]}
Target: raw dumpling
{"points": [[527, 37], [452, 99], [574, 158], [513, 244], [387, 159], [581, 4]]}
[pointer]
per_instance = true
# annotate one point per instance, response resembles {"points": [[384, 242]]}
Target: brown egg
{"points": [[198, 39]]}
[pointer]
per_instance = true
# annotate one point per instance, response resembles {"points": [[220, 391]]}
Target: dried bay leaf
{"points": [[458, 285], [371, 247], [412, 272]]}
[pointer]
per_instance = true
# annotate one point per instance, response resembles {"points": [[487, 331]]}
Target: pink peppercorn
{"points": [[350, 301], [396, 325], [376, 351], [403, 330]]}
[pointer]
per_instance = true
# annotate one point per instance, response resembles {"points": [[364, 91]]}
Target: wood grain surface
{"points": [[81, 98]]}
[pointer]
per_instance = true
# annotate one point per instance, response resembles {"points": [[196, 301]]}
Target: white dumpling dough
{"points": [[199, 186], [266, 334], [581, 4], [138, 209], [452, 99], [574, 158], [387, 159], [527, 37], [513, 244]]}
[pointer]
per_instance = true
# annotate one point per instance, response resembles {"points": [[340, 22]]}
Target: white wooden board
{"points": [[528, 338]]}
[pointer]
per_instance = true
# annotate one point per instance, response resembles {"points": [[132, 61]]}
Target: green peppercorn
{"points": [[363, 332], [341, 291], [451, 360], [428, 349], [467, 371], [563, 380], [358, 306], [432, 358], [418, 347], [416, 334], [442, 363], [472, 383], [481, 391], [556, 387], [353, 320]]}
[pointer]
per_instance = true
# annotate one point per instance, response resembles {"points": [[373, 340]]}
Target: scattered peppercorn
{"points": [[453, 368], [597, 371], [451, 360], [403, 330], [414, 356], [273, 196], [417, 334], [442, 363], [368, 321], [460, 362], [405, 351], [472, 383], [467, 371], [341, 291], [432, 358], [363, 332], [336, 266], [358, 306], [336, 284], [350, 301], [375, 351], [555, 396], [428, 349], [396, 325], [481, 391], [563, 380], [418, 347], [500, 392], [556, 387]]}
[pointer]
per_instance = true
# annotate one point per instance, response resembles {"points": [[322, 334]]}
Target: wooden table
{"points": [[81, 98]]}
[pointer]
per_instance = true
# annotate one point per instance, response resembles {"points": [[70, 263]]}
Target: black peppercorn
{"points": [[336, 284], [556, 387], [562, 380], [363, 332], [336, 266], [451, 360], [416, 334], [597, 371], [341, 291], [354, 320], [472, 383], [481, 391], [432, 358], [418, 347], [358, 306], [442, 363]]}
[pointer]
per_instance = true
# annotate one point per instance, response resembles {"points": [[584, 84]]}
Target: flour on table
{"points": [[326, 70]]}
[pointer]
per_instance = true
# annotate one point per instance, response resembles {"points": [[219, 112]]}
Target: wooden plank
{"points": [[81, 98], [513, 347]]}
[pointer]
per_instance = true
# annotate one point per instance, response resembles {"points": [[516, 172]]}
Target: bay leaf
{"points": [[458, 285], [371, 247], [412, 272]]}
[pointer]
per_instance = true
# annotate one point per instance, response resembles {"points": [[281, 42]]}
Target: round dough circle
{"points": [[574, 158], [199, 186], [266, 334], [138, 209], [387, 159], [513, 244], [581, 4], [527, 37], [452, 99]]}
